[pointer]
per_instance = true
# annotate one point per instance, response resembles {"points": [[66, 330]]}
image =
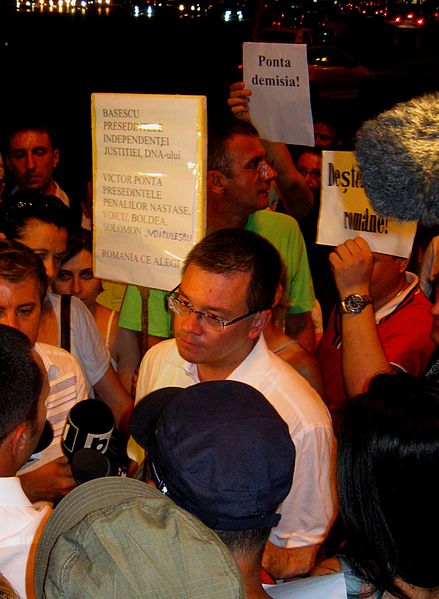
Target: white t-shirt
{"points": [[66, 387], [20, 527], [87, 344], [310, 507]]}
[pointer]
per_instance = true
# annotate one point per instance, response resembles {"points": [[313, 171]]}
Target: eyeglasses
{"points": [[209, 321], [263, 168]]}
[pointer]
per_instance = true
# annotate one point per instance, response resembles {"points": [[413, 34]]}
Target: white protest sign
{"points": [[149, 165], [346, 213], [280, 106]]}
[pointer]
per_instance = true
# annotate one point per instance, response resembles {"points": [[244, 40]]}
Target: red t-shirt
{"points": [[404, 336]]}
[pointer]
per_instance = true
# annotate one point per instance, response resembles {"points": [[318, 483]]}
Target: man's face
{"points": [[48, 241], [20, 306], [32, 159], [251, 177], [325, 136], [220, 296], [310, 167], [386, 275]]}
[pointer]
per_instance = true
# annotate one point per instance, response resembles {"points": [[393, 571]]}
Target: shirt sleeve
{"points": [[310, 508], [87, 344]]}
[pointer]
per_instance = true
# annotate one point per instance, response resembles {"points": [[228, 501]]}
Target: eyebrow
{"points": [[224, 313]]}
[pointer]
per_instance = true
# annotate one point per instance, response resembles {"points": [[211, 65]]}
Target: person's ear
{"points": [[403, 263], [278, 296], [55, 159], [215, 181], [20, 438], [259, 322]]}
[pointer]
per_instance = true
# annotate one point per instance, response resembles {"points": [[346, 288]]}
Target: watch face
{"points": [[355, 303]]}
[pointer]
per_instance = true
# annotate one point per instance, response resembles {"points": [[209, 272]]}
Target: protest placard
{"points": [[345, 211], [280, 106], [149, 164]]}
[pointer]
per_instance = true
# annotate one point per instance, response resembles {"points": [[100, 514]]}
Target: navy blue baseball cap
{"points": [[219, 450]]}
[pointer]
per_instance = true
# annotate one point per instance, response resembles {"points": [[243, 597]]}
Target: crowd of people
{"points": [[284, 397]]}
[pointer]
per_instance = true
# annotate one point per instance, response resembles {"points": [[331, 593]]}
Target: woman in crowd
{"points": [[389, 490], [75, 277], [41, 223]]}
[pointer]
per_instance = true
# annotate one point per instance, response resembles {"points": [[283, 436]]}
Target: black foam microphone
{"points": [[90, 424], [397, 154], [88, 463]]}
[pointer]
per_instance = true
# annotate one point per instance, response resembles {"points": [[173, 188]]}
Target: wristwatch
{"points": [[355, 303]]}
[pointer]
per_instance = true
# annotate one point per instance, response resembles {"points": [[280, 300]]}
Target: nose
{"points": [[51, 268], [76, 286], [11, 320], [191, 323], [30, 161]]}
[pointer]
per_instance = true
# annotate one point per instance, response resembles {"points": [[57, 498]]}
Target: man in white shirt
{"points": [[23, 395], [220, 310], [23, 284]]}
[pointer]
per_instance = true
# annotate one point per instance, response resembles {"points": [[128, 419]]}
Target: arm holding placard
{"points": [[296, 196], [362, 353]]}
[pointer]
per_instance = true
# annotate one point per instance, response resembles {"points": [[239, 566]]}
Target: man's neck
{"points": [[220, 371], [382, 301], [220, 215], [251, 573]]}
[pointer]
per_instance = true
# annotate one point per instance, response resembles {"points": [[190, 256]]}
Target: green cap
{"points": [[116, 537]]}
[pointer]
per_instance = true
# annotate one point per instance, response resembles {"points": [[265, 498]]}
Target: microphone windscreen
{"points": [[88, 464], [89, 423], [397, 154]]}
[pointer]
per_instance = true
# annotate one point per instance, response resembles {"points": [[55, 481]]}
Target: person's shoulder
{"points": [[270, 218], [56, 355], [161, 351]]}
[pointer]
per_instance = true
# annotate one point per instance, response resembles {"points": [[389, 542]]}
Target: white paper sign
{"points": [[331, 586], [280, 106], [346, 213], [149, 162]]}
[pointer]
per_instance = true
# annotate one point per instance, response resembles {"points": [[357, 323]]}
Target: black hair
{"points": [[30, 125], [79, 239], [21, 380], [229, 251], [248, 543], [388, 461], [22, 206], [219, 136]]}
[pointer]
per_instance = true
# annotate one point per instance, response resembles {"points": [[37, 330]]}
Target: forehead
{"points": [[310, 160], [207, 289], [29, 139], [83, 259], [242, 148], [21, 292]]}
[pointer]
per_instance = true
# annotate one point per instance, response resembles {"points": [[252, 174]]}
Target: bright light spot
{"points": [[149, 11], [192, 7], [136, 11], [151, 127], [239, 13], [181, 7], [227, 15]]}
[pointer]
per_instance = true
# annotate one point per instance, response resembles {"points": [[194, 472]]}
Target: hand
{"points": [[49, 482], [352, 266], [238, 100]]}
